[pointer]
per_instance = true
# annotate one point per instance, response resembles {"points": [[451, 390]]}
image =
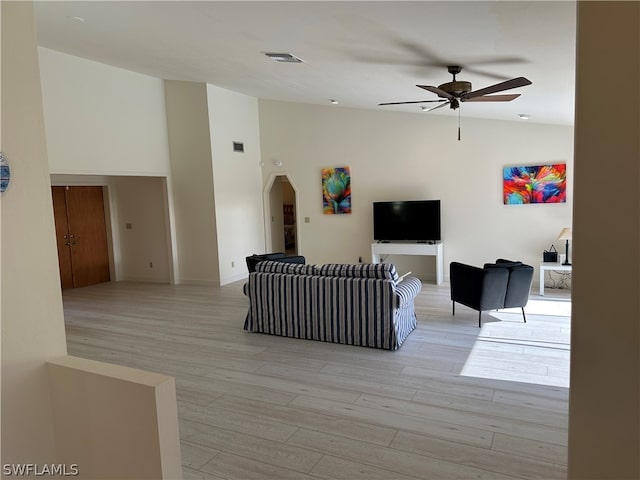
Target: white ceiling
{"points": [[360, 53]]}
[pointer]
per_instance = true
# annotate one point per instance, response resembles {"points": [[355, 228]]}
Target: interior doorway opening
{"points": [[282, 216]]}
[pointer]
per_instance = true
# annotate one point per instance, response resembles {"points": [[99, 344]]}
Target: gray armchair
{"points": [[503, 284]]}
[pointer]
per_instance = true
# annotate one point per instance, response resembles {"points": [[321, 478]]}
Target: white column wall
{"points": [[233, 117], [192, 182]]}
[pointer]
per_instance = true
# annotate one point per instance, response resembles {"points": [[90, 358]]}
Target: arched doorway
{"points": [[281, 215]]}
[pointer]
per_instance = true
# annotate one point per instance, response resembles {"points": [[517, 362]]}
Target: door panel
{"points": [[81, 235], [62, 236], [87, 235]]}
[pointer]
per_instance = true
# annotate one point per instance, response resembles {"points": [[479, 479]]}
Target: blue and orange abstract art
{"points": [[535, 184], [336, 190]]}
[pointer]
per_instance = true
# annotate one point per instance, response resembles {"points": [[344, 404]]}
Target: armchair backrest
{"points": [[519, 286], [478, 288]]}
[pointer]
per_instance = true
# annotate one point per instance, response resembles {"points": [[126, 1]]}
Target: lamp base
{"points": [[566, 258]]}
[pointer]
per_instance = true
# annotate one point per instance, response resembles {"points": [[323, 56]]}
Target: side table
{"points": [[557, 266]]}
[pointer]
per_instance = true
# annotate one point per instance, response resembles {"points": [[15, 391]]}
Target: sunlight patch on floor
{"points": [[548, 307], [535, 352]]}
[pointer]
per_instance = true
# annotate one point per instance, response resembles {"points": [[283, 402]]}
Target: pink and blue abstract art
{"points": [[535, 184]]}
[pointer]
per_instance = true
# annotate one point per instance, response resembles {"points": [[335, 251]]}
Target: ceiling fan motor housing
{"points": [[456, 88]]}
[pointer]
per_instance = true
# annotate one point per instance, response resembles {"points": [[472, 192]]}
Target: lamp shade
{"points": [[565, 234]]}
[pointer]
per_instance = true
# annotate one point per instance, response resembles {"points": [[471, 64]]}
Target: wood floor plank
{"points": [[306, 419], [193, 474], [492, 461], [399, 461], [217, 387], [520, 412], [274, 453], [331, 467], [399, 420], [547, 452], [531, 400], [234, 467], [487, 422], [196, 456], [248, 424], [335, 381], [283, 385]]}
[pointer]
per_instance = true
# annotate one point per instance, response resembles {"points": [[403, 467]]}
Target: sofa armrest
{"points": [[407, 290]]}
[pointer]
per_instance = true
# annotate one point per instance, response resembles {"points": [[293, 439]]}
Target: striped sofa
{"points": [[362, 304]]}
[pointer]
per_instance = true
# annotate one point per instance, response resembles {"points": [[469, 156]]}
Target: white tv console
{"points": [[430, 249]]}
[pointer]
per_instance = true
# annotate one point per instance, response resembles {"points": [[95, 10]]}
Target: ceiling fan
{"points": [[454, 92]]}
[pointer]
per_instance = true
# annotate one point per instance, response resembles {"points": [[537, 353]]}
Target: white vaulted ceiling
{"points": [[360, 53]]}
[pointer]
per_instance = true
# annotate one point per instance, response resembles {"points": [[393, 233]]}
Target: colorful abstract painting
{"points": [[336, 190], [535, 184]]}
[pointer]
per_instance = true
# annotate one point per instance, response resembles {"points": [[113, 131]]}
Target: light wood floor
{"points": [[454, 402]]}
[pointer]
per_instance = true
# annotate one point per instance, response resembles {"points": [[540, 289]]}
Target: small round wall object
{"points": [[5, 173]]}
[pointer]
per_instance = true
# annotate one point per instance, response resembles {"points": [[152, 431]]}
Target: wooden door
{"points": [[62, 236], [82, 236]]}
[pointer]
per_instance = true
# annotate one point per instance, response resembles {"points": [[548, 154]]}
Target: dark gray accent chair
{"points": [[504, 284], [254, 259]]}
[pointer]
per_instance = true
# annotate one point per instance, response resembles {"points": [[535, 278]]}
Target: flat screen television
{"points": [[414, 220]]}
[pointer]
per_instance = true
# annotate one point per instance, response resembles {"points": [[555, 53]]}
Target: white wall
{"points": [[143, 247], [233, 117], [399, 156], [31, 307], [102, 119], [192, 182], [101, 122]]}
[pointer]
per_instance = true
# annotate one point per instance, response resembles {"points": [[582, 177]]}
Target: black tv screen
{"points": [[417, 220]]}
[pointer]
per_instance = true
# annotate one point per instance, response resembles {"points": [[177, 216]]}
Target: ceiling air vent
{"points": [[283, 57]]}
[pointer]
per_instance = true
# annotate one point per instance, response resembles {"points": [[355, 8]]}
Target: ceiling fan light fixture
{"points": [[283, 57]]}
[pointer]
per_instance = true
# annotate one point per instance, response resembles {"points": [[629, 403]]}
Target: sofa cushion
{"points": [[268, 266], [383, 271]]}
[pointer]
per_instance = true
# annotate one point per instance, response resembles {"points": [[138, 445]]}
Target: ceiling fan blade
{"points": [[492, 98], [416, 101], [498, 87], [446, 102], [437, 91], [485, 73]]}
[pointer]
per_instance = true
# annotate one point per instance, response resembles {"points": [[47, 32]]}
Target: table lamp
{"points": [[565, 234]]}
